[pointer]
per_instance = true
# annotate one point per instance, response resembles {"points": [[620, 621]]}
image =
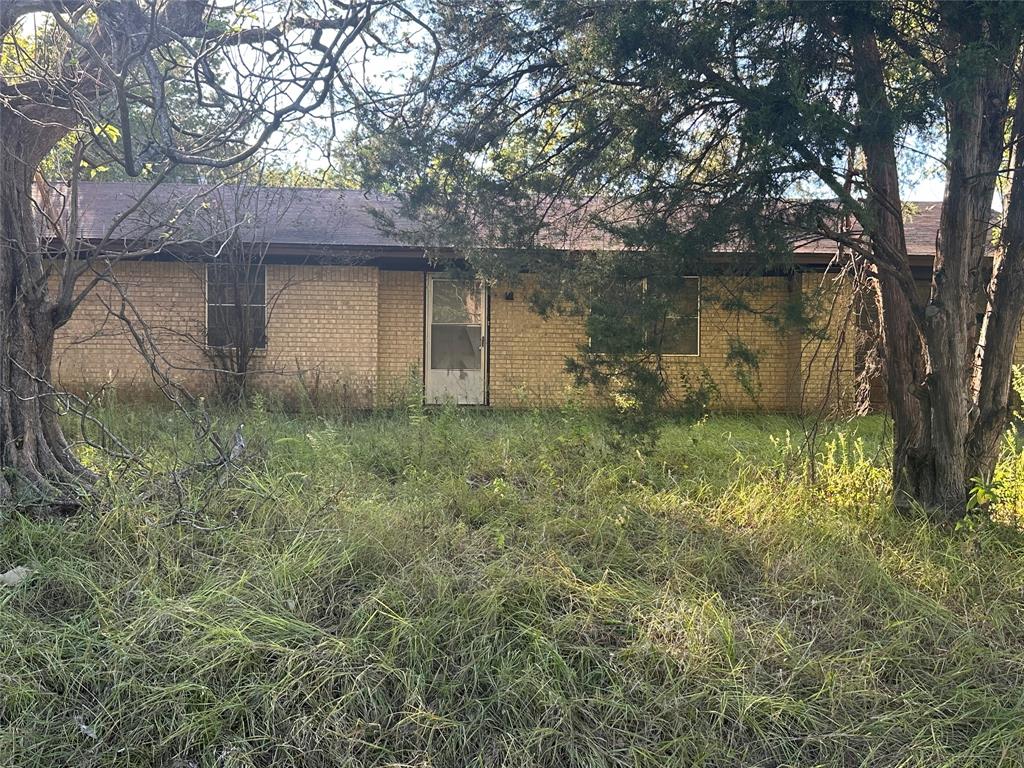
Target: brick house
{"points": [[344, 311]]}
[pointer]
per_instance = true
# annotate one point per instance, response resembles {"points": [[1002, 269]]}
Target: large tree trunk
{"points": [[948, 394], [36, 465], [914, 476], [1002, 323], [977, 115]]}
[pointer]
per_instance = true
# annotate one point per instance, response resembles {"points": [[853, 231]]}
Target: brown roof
{"points": [[922, 227], [920, 224], [297, 217], [278, 215]]}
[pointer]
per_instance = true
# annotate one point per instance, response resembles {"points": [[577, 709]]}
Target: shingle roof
{"points": [[288, 216], [278, 215], [921, 224]]}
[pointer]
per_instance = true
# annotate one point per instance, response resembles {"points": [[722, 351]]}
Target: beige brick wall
{"points": [[321, 332], [725, 333], [96, 348], [1018, 350], [400, 335], [527, 352], [827, 362], [355, 335]]}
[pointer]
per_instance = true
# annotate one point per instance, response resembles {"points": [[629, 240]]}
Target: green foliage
{"points": [[451, 588], [1017, 383], [698, 397], [983, 493], [657, 139], [745, 363], [668, 133], [1001, 496]]}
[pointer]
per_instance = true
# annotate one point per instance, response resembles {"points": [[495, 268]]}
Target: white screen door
{"points": [[456, 341]]}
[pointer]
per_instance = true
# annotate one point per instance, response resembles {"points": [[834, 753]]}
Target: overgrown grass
{"points": [[461, 589]]}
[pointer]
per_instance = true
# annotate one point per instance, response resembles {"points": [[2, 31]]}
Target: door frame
{"points": [[485, 336]]}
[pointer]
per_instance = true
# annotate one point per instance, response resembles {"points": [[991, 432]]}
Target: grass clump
{"points": [[495, 589]]}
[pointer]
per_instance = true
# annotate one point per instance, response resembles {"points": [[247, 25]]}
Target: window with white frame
{"points": [[236, 306]]}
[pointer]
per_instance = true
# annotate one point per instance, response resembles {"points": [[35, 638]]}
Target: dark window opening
{"points": [[236, 306], [679, 333], [665, 321]]}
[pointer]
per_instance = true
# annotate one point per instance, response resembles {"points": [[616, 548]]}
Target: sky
{"points": [[926, 190]]}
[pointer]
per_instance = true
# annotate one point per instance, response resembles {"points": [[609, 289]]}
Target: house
{"points": [[339, 309]]}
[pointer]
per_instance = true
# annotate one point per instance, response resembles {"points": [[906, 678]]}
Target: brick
{"points": [[356, 333]]}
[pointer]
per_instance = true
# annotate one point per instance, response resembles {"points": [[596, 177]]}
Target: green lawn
{"points": [[459, 588]]}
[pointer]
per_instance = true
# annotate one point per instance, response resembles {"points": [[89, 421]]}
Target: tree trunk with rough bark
{"points": [[993, 374], [37, 466], [90, 67], [948, 380]]}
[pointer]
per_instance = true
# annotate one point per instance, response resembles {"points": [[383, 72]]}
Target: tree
{"points": [[231, 221], [682, 127], [106, 78], [238, 305]]}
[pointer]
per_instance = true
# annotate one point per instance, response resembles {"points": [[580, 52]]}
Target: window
{"points": [[680, 330], [236, 306], [456, 325], [636, 316], [616, 323]]}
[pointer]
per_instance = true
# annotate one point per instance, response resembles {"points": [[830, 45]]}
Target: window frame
{"points": [[266, 319], [480, 289], [697, 316]]}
